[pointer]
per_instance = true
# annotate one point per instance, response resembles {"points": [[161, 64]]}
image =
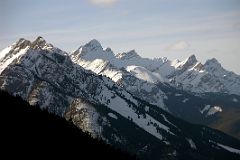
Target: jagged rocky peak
{"points": [[14, 49], [22, 43], [93, 45], [212, 65], [91, 51], [128, 55], [108, 50], [212, 62], [190, 61], [40, 39], [40, 43]]}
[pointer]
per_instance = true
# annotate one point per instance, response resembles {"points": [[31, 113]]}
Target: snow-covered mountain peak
{"points": [[128, 55], [40, 39], [190, 61], [40, 42], [21, 43], [92, 47], [12, 52], [21, 47], [91, 51], [14, 48]]}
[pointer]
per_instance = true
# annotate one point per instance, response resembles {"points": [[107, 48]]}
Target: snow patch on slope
{"points": [[112, 115], [211, 110], [4, 63], [230, 149], [4, 52], [144, 74], [178, 95], [235, 100], [165, 119], [191, 143], [214, 110], [185, 100], [206, 108], [120, 106]]}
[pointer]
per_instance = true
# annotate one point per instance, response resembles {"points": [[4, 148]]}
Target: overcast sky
{"points": [[154, 28]]}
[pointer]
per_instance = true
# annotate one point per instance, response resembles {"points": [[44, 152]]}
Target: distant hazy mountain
{"points": [[117, 98]]}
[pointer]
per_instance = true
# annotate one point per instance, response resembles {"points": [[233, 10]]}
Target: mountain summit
{"points": [[92, 50], [212, 63], [39, 43], [93, 44], [190, 61]]}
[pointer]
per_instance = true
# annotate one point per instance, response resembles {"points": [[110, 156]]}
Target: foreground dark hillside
{"points": [[27, 130]]}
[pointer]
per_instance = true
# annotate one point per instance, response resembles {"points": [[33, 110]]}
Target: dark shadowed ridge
{"points": [[26, 131]]}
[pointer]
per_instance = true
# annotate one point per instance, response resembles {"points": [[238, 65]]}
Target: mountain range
{"points": [[199, 93], [133, 103]]}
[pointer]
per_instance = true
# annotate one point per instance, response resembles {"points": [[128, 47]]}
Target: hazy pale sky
{"points": [[155, 28]]}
